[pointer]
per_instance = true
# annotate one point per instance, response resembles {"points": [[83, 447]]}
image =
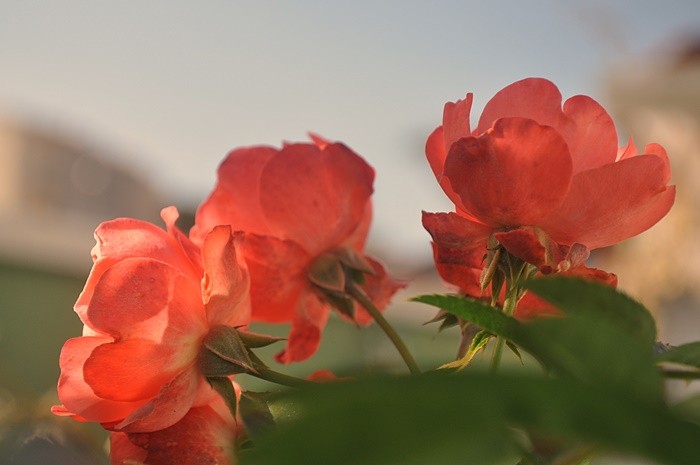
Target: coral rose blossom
{"points": [[149, 301], [293, 207], [548, 183], [205, 435]]}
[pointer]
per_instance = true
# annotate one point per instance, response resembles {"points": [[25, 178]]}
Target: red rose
{"points": [[294, 206], [147, 305], [206, 434], [548, 183]]}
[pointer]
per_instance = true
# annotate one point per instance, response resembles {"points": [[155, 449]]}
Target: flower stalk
{"points": [[360, 297]]}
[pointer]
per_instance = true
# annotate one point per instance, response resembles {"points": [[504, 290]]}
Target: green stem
{"points": [[357, 294], [280, 378], [264, 372], [509, 305]]}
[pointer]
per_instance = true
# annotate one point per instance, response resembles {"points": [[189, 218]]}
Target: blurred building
{"points": [[54, 190], [656, 98]]}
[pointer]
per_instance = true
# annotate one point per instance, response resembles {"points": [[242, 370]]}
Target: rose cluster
{"points": [[281, 239]]}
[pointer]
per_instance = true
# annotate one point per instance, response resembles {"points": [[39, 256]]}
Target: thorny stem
{"points": [[357, 294], [509, 305], [514, 276]]}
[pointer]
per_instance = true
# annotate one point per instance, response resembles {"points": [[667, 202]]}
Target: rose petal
{"points": [[235, 200], [454, 230], [589, 132], [315, 197], [168, 407], [226, 283], [513, 175], [201, 437], [146, 298], [277, 276], [462, 266], [585, 126], [75, 394], [455, 120], [124, 452], [170, 216], [534, 98], [612, 203], [524, 244], [436, 153], [126, 238], [320, 142], [305, 336], [627, 151], [134, 369]]}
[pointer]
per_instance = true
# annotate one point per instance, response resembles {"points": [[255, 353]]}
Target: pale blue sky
{"points": [[173, 85]]}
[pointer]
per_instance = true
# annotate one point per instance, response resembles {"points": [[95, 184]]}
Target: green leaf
{"points": [[686, 354], [341, 303], [467, 418], [582, 346], [256, 413], [477, 344], [513, 348], [689, 409], [485, 316], [225, 389], [577, 296], [257, 340], [596, 351], [327, 273], [224, 353]]}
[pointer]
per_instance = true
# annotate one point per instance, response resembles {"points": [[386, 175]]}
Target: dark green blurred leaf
{"points": [[689, 409], [513, 348], [584, 345], [467, 418], [686, 354], [597, 352], [255, 413], [577, 296]]}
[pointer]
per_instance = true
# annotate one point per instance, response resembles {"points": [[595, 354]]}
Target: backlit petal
{"points": [[584, 125], [455, 120], [612, 203], [168, 407], [202, 436], [533, 98], [277, 276], [461, 266], [235, 200], [145, 298], [305, 336], [75, 394], [226, 283], [524, 244], [133, 369], [513, 175], [126, 238], [315, 197]]}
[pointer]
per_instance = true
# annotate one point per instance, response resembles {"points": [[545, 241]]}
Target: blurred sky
{"points": [[171, 86]]}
